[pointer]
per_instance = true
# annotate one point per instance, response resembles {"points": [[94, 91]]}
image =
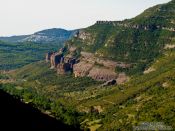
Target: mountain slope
{"points": [[145, 98], [148, 98], [20, 116], [137, 41], [162, 15]]}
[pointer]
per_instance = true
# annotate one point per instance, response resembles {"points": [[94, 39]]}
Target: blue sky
{"points": [[28, 16]]}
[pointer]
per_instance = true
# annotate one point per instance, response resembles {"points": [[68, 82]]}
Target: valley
{"points": [[17, 51], [101, 103]]}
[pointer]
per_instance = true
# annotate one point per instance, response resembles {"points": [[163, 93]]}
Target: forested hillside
{"points": [[15, 55]]}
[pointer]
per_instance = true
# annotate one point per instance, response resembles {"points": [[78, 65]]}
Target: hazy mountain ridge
{"points": [[44, 36], [13, 38], [50, 35], [17, 51]]}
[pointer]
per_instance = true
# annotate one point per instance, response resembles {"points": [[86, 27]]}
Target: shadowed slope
{"points": [[17, 115]]}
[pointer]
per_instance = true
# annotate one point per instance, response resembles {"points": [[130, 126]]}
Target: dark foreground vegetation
{"points": [[16, 115]]}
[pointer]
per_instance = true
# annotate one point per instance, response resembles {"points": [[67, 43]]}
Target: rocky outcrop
{"points": [[82, 69], [87, 65], [106, 22], [149, 70], [169, 29], [62, 50], [55, 59], [102, 74], [136, 26], [98, 68], [83, 35], [72, 49], [97, 109], [66, 65], [169, 46], [61, 63], [90, 57], [62, 68], [48, 56], [70, 59], [87, 54], [122, 78], [112, 64]]}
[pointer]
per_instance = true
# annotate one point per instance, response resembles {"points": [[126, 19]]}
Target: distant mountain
{"points": [[45, 36], [50, 35], [14, 38], [17, 51]]}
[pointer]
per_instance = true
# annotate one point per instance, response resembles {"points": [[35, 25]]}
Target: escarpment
{"points": [[60, 62], [48, 56], [86, 65], [55, 59], [109, 50], [66, 65]]}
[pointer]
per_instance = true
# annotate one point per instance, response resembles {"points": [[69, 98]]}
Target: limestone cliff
{"points": [[55, 59], [108, 50], [86, 65], [48, 56]]}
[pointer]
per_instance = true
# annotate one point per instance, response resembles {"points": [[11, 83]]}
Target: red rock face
{"points": [[66, 65], [82, 69], [122, 78], [63, 68], [102, 74], [55, 59], [89, 69], [89, 65], [48, 56]]}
